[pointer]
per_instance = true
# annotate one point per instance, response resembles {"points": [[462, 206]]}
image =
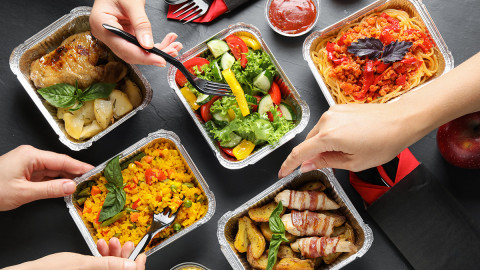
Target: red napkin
{"points": [[370, 192], [217, 8]]}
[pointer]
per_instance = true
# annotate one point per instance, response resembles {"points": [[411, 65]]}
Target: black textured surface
{"points": [[41, 228]]}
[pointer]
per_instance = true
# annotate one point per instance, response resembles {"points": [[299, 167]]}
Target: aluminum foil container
{"points": [[46, 41], [412, 7], [189, 265], [294, 99], [228, 223], [161, 136]]}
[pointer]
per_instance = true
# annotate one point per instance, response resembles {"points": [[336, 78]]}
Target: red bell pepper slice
{"points": [[228, 151], [401, 80], [135, 204], [148, 176], [275, 94], [367, 76], [205, 109], [341, 41], [198, 62], [381, 66], [238, 48]]}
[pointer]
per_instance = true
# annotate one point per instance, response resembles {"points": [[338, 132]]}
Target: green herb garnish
{"points": [[63, 95], [116, 197], [373, 48], [276, 226]]}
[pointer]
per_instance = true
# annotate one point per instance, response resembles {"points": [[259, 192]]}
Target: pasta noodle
{"points": [[345, 74]]}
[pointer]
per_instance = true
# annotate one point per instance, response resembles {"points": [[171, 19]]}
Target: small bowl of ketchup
{"points": [[292, 18]]}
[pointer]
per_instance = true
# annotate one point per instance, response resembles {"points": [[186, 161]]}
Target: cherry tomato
{"points": [[238, 48], [198, 62], [275, 94], [270, 115], [205, 109]]}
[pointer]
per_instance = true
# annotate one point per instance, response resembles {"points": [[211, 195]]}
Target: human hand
{"points": [[114, 248], [354, 137], [26, 175], [130, 16], [72, 261]]}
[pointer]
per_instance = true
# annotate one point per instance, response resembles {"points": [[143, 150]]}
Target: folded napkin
{"points": [[217, 8]]}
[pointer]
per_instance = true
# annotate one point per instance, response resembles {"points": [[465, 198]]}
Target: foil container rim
{"points": [[267, 149], [165, 134], [425, 17], [14, 62], [232, 257]]}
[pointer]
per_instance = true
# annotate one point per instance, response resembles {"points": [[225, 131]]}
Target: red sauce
{"points": [[292, 16]]}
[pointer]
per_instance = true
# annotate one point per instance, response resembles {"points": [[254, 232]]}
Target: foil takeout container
{"points": [[46, 41], [228, 223], [160, 136], [294, 99], [412, 7]]}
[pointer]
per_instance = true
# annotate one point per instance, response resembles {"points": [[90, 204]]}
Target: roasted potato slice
{"points": [[133, 92], [265, 228], [73, 125], [294, 264], [313, 186], [256, 238], [262, 214], [90, 130], [338, 231], [87, 112], [103, 112], [241, 239], [257, 263], [121, 103], [286, 252]]}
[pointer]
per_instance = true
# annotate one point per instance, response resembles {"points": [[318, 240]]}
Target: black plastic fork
{"points": [[202, 85]]}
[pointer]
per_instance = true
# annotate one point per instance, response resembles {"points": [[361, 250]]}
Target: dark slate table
{"points": [[45, 227]]}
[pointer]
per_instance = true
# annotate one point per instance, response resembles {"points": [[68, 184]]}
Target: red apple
{"points": [[459, 141]]}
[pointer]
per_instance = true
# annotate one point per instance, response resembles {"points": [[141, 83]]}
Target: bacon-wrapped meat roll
{"points": [[314, 247], [306, 200], [311, 223]]}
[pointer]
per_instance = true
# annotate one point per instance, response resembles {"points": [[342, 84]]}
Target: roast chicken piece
{"points": [[75, 59], [306, 200], [311, 223], [314, 247]]}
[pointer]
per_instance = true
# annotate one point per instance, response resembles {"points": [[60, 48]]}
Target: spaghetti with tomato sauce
{"points": [[353, 79]]}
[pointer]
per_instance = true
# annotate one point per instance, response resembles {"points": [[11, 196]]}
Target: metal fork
{"points": [[202, 85], [160, 221], [197, 7]]}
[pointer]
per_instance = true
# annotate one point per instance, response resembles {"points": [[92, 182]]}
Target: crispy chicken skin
{"points": [[74, 60]]}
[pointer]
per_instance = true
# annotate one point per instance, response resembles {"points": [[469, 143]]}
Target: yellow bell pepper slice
{"points": [[237, 91], [190, 97], [243, 149], [231, 114], [252, 43]]}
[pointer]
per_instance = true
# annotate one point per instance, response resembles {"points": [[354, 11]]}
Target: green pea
{"points": [[177, 227], [189, 185], [187, 203], [81, 201], [173, 187]]}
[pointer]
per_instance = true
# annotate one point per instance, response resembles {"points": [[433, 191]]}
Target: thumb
{"points": [[139, 20], [48, 189]]}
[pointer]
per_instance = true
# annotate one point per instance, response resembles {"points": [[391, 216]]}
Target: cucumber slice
{"points": [[216, 71], [217, 47], [202, 99], [263, 80], [234, 141], [265, 104], [220, 120], [210, 125], [227, 61], [287, 111], [251, 100]]}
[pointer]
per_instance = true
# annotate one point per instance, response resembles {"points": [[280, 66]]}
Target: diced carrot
{"points": [[105, 232], [148, 159], [135, 179], [135, 204], [161, 176], [134, 217], [158, 198], [98, 216], [139, 164], [87, 210], [171, 172], [95, 190]]}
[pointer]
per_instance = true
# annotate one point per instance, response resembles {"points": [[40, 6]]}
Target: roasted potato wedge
{"points": [[103, 112], [241, 239], [121, 103], [286, 252], [257, 263], [256, 238], [90, 130], [133, 92], [338, 231], [265, 228], [73, 125], [312, 186], [294, 264], [262, 214], [87, 112]]}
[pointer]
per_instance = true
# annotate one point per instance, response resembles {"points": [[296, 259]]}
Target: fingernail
{"points": [[159, 65], [306, 167], [68, 187], [129, 265], [147, 41], [280, 174]]}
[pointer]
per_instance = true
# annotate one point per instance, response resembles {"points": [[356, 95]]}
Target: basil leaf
{"points": [[113, 204], [113, 173], [98, 90], [370, 47], [395, 51], [275, 222], [272, 252], [60, 95]]}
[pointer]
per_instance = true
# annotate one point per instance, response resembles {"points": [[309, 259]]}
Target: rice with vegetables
{"points": [[157, 180]]}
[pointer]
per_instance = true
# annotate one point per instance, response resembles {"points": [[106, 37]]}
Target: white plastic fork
{"points": [[197, 8]]}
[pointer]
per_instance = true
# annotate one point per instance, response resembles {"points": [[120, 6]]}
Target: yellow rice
{"points": [[151, 198]]}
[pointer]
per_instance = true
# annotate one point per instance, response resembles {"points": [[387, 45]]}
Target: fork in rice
{"points": [[160, 221]]}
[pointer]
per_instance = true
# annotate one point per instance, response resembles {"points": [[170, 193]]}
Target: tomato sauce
{"points": [[292, 16]]}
